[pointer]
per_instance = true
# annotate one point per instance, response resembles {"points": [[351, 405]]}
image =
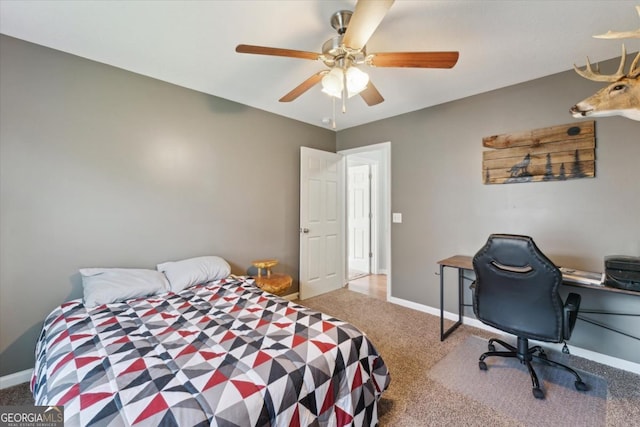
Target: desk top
{"points": [[458, 261], [466, 262]]}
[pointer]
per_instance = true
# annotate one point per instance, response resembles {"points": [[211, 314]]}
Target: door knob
{"points": [[304, 230]]}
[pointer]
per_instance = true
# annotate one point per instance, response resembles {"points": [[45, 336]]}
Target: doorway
{"points": [[368, 227], [359, 216]]}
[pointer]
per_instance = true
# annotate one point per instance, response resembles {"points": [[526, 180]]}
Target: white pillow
{"points": [[105, 285], [193, 271]]}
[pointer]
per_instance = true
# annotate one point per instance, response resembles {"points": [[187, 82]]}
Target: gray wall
{"points": [[103, 167], [436, 158]]}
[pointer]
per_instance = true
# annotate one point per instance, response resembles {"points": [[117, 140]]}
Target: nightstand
{"points": [[273, 283]]}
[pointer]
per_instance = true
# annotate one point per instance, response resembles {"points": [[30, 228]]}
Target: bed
{"points": [[222, 353]]}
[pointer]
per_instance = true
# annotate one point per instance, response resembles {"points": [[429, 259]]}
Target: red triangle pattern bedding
{"points": [[222, 354]]}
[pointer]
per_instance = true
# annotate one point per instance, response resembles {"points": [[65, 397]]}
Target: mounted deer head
{"points": [[622, 96]]}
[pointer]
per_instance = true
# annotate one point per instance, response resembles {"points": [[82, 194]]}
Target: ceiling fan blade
{"points": [[364, 21], [303, 87], [415, 59], [371, 95], [274, 51]]}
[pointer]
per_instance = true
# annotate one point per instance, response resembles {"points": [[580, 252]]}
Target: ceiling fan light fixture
{"points": [[333, 82], [357, 81]]}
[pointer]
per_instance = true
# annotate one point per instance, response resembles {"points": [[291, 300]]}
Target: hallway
{"points": [[374, 285]]}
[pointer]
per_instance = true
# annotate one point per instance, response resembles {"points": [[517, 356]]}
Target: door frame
{"points": [[384, 148]]}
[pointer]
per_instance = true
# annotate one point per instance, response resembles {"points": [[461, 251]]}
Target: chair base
{"points": [[526, 355]]}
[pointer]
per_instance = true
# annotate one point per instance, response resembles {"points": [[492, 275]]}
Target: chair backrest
{"points": [[516, 288]]}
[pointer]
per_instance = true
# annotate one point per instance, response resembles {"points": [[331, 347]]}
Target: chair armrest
{"points": [[571, 307]]}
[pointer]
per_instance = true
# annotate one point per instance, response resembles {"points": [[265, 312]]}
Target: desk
{"points": [[464, 262], [461, 262]]}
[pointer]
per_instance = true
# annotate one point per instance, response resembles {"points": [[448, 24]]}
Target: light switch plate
{"points": [[397, 217]]}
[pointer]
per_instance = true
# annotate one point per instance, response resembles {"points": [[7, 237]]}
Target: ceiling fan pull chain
{"points": [[333, 123], [344, 88]]}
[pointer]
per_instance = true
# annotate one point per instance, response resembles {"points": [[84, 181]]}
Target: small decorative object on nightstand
{"points": [[273, 282]]}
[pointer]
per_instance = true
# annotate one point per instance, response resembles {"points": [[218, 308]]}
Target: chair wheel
{"points": [[537, 393], [483, 366], [581, 386], [491, 347]]}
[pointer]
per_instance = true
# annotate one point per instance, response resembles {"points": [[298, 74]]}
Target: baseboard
{"points": [[15, 378], [470, 321]]}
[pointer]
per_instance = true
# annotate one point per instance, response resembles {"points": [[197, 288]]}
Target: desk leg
{"points": [[460, 294], [444, 334]]}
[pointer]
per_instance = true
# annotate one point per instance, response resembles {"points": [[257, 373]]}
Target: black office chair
{"points": [[516, 291]]}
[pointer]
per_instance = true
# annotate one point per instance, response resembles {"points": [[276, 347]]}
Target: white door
{"points": [[359, 218], [321, 222]]}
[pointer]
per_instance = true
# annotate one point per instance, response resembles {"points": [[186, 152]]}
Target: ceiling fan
{"points": [[343, 53]]}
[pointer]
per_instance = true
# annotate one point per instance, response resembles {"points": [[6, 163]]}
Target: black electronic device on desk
{"points": [[622, 272]]}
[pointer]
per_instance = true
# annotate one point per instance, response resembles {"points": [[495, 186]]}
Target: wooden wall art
{"points": [[554, 153]]}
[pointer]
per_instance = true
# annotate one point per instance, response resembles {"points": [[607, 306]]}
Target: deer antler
{"points": [[634, 71], [621, 34], [590, 74]]}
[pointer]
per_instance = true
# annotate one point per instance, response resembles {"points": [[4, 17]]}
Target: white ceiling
{"points": [[192, 44]]}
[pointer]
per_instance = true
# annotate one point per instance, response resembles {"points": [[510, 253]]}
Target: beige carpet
{"points": [[409, 342], [506, 387]]}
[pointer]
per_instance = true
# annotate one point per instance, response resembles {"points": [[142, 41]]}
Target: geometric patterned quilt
{"points": [[222, 354]]}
